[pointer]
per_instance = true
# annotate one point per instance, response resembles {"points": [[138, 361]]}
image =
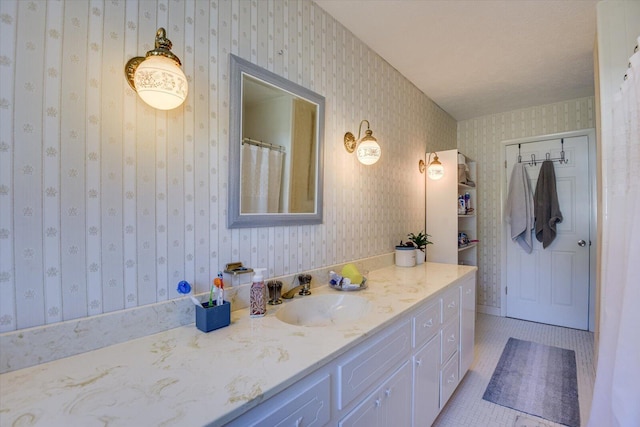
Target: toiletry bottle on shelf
{"points": [[257, 295], [461, 208], [467, 202]]}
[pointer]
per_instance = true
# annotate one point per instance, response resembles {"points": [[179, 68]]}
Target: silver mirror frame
{"points": [[239, 67]]}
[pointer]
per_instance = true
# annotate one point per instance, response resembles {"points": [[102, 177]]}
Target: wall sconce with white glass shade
{"points": [[367, 149], [157, 77], [435, 170]]}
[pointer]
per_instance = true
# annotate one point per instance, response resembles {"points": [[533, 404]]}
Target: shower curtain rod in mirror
{"points": [[264, 144]]}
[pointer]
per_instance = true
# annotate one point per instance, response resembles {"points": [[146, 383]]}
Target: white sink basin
{"points": [[323, 310]]}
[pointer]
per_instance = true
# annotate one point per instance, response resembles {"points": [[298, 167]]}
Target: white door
{"points": [[552, 285]]}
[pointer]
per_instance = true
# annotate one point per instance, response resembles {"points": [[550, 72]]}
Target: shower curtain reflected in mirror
{"points": [[261, 179]]}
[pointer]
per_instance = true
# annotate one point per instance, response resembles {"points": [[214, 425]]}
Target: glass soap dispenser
{"points": [[258, 295]]}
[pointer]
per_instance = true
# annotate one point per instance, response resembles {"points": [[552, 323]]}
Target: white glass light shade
{"points": [[161, 83], [368, 151], [435, 171]]}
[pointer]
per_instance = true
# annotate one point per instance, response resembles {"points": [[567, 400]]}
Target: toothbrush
{"points": [[220, 285], [211, 295]]}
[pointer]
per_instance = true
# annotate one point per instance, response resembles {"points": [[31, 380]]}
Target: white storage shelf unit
{"points": [[443, 221]]}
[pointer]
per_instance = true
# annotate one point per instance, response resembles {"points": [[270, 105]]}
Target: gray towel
{"points": [[519, 208], [546, 204]]}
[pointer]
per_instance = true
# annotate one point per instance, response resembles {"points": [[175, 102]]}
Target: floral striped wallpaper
{"points": [[481, 139], [105, 203]]}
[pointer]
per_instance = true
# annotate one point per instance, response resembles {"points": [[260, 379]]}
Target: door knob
{"points": [[581, 243]]}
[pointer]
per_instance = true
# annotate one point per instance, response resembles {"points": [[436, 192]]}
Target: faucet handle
{"points": [[305, 281], [275, 288]]}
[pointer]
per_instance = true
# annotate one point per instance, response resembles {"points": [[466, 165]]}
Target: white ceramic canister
{"points": [[405, 256]]}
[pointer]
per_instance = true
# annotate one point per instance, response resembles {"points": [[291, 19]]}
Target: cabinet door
{"points": [[367, 414], [426, 383], [389, 405], [449, 380], [396, 398], [467, 323]]}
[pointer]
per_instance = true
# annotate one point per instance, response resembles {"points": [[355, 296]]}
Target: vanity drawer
{"points": [[450, 340], [303, 404], [363, 369], [451, 304], [426, 324], [449, 379]]}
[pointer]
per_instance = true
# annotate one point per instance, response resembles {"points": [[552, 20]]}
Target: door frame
{"points": [[593, 217]]}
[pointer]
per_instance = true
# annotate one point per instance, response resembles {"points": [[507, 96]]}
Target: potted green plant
{"points": [[420, 241]]}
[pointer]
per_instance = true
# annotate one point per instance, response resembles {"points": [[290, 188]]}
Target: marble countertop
{"points": [[186, 377]]}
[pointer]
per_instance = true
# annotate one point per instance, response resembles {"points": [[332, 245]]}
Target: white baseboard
{"points": [[486, 309]]}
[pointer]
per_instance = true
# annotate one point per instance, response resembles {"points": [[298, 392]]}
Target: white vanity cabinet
{"points": [[401, 376]]}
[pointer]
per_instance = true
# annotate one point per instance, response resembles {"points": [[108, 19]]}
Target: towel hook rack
{"points": [[563, 160]]}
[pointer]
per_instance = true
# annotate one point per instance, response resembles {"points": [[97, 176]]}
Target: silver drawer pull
{"points": [[299, 422], [428, 324], [451, 379], [418, 362], [452, 338], [377, 403], [452, 304], [387, 392]]}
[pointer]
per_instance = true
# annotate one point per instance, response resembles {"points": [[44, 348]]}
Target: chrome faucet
{"points": [[304, 284]]}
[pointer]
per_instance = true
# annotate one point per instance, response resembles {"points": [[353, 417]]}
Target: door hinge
{"points": [[505, 164], [506, 290]]}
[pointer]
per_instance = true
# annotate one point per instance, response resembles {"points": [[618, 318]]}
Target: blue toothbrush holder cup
{"points": [[215, 317]]}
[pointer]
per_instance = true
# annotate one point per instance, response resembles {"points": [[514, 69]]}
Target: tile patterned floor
{"points": [[466, 407]]}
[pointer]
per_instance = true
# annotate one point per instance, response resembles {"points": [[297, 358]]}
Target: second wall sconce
{"points": [[157, 77], [435, 170], [367, 149]]}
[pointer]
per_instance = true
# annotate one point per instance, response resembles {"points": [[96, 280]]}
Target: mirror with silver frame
{"points": [[275, 149]]}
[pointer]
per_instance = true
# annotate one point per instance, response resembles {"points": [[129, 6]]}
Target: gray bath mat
{"points": [[538, 380]]}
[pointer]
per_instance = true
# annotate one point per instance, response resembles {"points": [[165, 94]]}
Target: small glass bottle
{"points": [[257, 295]]}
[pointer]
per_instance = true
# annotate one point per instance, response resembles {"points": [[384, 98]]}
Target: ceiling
{"points": [[480, 57]]}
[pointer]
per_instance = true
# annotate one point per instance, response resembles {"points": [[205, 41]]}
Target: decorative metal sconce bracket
{"points": [[162, 48], [130, 69], [350, 142]]}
